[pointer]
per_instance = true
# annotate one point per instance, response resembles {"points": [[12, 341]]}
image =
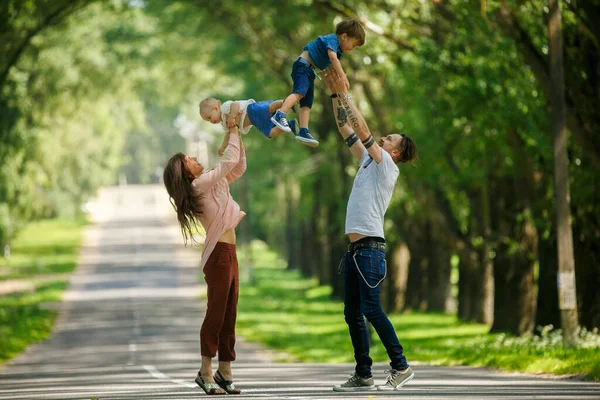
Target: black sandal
{"points": [[225, 384], [209, 388]]}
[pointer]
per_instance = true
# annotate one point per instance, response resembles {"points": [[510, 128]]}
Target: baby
{"points": [[244, 114]]}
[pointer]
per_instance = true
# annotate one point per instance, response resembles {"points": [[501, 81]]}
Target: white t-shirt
{"points": [[226, 108], [371, 195]]}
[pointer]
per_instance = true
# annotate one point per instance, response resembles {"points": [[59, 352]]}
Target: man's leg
{"points": [[355, 319], [373, 268], [362, 379]]}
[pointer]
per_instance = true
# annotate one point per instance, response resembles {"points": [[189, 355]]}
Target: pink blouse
{"points": [[219, 211]]}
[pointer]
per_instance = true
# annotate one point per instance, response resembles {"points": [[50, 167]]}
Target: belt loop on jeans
{"points": [[311, 66], [304, 61]]}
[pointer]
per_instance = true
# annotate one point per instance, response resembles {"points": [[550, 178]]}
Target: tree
{"points": [[566, 262]]}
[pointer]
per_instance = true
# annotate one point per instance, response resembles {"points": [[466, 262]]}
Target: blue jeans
{"points": [[361, 301]]}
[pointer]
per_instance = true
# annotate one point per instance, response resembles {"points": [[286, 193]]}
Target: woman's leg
{"points": [[206, 370], [225, 370], [218, 284], [227, 334]]}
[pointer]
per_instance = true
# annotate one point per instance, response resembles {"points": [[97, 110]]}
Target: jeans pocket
{"points": [[371, 267]]}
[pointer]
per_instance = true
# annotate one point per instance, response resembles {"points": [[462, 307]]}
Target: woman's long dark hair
{"points": [[178, 181]]}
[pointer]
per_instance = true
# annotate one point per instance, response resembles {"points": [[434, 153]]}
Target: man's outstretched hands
{"points": [[335, 83]]}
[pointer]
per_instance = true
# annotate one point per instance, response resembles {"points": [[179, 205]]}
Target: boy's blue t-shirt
{"points": [[317, 50]]}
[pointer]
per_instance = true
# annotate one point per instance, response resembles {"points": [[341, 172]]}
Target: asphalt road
{"points": [[129, 329]]}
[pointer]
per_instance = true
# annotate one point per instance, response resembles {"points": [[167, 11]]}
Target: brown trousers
{"points": [[222, 280]]}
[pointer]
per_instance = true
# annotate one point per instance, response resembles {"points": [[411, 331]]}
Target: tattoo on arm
{"points": [[342, 118], [356, 120], [368, 142]]}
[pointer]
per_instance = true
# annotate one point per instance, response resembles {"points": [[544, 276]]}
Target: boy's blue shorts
{"points": [[304, 81], [258, 114]]}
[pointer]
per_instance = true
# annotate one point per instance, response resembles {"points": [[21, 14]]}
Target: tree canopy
{"points": [[90, 90]]}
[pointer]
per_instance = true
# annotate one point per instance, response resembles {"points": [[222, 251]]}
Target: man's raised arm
{"points": [[349, 119], [341, 120]]}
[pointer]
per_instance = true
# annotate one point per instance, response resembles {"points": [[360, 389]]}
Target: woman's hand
{"points": [[233, 119]]}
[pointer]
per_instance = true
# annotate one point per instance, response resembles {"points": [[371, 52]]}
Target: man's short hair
{"points": [[408, 150], [352, 28]]}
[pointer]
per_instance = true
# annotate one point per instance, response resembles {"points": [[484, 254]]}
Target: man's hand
{"points": [[335, 83], [327, 78]]}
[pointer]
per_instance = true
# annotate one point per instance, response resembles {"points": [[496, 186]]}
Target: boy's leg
{"points": [[290, 101], [276, 131], [302, 76], [275, 105], [304, 135], [279, 118], [304, 117]]}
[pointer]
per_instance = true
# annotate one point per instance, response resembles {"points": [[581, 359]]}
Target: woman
{"points": [[199, 195]]}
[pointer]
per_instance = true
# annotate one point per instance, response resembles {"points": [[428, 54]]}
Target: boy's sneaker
{"points": [[293, 126], [396, 379], [355, 384], [306, 138], [279, 119]]}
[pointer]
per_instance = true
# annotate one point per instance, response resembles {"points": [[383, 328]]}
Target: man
{"points": [[364, 263]]}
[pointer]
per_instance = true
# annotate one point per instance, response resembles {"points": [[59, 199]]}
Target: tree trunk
{"points": [[566, 259], [477, 265], [547, 303], [438, 291], [514, 300], [292, 235], [398, 265], [417, 274], [515, 296], [467, 282], [587, 254]]}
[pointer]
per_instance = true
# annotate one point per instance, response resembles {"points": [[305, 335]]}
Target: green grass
{"points": [[296, 316], [42, 254]]}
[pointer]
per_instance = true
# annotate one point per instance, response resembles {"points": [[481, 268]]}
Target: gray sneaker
{"points": [[355, 384], [396, 379]]}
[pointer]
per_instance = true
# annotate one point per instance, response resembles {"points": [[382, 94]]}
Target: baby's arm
{"points": [[224, 144], [337, 65]]}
